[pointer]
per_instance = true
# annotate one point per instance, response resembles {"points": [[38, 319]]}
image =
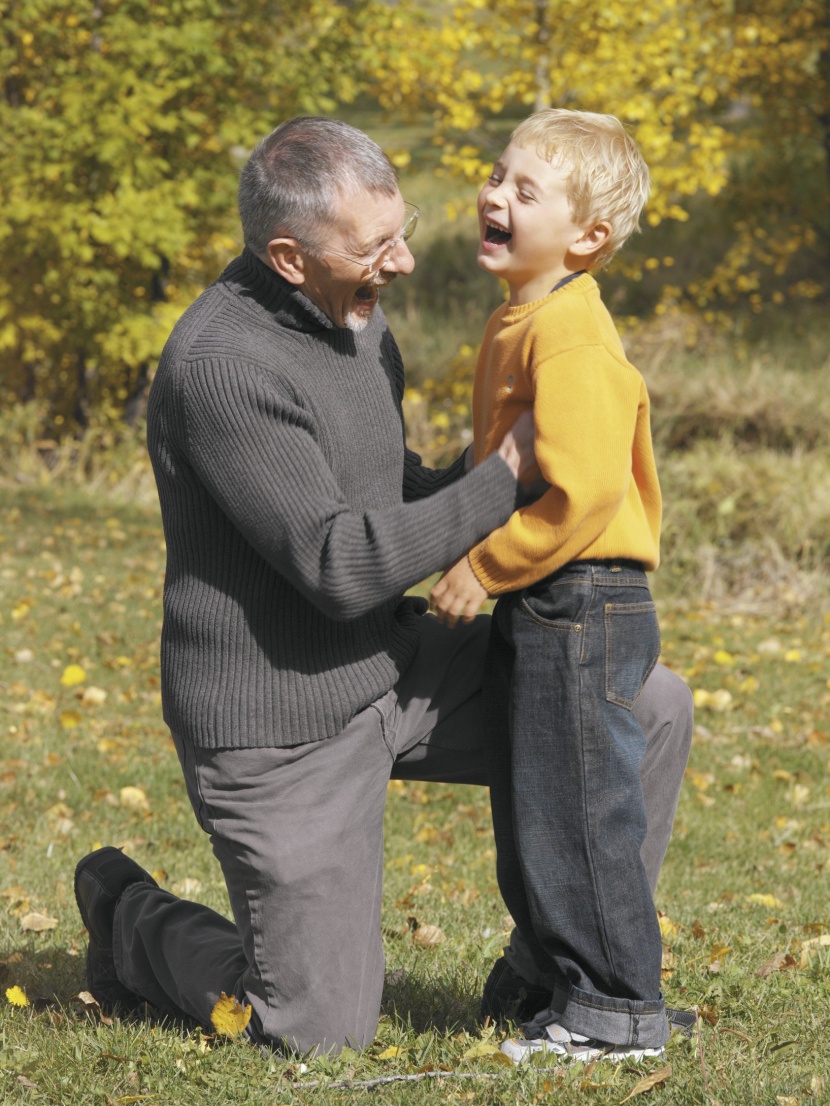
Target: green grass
{"points": [[80, 584]]}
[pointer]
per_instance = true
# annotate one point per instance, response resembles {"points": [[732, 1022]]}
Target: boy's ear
{"points": [[593, 238], [285, 256]]}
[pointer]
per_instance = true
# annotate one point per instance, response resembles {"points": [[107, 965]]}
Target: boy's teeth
{"points": [[496, 235]]}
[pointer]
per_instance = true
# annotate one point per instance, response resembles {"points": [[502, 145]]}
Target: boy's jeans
{"points": [[566, 660]]}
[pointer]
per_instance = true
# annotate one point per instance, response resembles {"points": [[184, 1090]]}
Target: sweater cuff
{"points": [[486, 570]]}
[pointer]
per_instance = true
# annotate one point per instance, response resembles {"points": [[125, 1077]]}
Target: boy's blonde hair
{"points": [[609, 180]]}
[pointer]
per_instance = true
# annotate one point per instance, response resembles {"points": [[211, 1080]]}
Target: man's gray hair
{"points": [[291, 182]]}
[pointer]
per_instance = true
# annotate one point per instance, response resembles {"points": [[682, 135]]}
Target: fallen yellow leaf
{"points": [[37, 923], [720, 700], [228, 1016], [391, 1053], [73, 674], [186, 888], [428, 936], [486, 1050], [700, 780], [668, 928], [769, 901], [812, 947], [69, 719], [799, 794], [93, 696], [133, 798]]}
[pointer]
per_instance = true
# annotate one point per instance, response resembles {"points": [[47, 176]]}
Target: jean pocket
{"points": [[632, 646], [559, 607]]}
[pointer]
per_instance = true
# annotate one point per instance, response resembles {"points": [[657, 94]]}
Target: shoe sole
{"points": [[520, 1052]]}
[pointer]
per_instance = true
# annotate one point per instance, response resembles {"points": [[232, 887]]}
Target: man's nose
{"points": [[400, 260]]}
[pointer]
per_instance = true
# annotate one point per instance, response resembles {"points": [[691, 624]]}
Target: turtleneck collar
{"points": [[250, 278]]}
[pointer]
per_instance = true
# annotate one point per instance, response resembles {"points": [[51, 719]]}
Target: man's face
{"points": [[346, 290]]}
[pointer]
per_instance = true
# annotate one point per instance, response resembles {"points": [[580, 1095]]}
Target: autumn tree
{"points": [[124, 123], [730, 102]]}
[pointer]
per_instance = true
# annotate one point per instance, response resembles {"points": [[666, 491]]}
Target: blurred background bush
{"points": [[125, 123]]}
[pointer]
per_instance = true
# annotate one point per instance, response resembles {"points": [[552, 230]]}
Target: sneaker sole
{"points": [[520, 1052]]}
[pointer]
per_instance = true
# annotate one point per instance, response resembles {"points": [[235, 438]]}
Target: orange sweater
{"points": [[562, 357]]}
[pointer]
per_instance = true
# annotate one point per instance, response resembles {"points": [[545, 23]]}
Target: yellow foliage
{"points": [[680, 83]]}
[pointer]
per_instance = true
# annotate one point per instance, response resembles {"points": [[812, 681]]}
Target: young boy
{"points": [[574, 634]]}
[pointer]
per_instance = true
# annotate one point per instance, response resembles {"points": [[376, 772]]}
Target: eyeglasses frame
{"points": [[378, 259]]}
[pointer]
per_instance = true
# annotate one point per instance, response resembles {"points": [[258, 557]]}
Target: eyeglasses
{"points": [[378, 258]]}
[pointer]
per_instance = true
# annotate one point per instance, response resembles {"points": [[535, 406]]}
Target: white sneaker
{"points": [[571, 1047]]}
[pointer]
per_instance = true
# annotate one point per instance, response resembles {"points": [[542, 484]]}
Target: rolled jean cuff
{"points": [[615, 1021]]}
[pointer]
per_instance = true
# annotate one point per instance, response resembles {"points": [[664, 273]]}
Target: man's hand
{"points": [[458, 594], [516, 450]]}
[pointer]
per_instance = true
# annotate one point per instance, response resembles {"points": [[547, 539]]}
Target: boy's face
{"points": [[525, 225]]}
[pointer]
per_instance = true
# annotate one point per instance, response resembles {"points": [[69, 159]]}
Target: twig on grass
{"points": [[342, 1084]]}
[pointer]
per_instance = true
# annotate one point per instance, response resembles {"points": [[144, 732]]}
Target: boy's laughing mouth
{"points": [[495, 235]]}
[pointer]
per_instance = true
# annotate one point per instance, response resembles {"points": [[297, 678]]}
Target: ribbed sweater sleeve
{"points": [[255, 452]]}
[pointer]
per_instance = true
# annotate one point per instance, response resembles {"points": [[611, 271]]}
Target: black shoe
{"points": [[99, 880], [681, 1021], [509, 997]]}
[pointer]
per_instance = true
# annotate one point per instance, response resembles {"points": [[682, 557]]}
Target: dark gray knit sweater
{"points": [[294, 515]]}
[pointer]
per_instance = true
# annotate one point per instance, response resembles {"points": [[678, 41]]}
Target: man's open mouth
{"points": [[367, 293]]}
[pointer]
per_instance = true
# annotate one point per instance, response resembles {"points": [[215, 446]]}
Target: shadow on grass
{"points": [[47, 974], [445, 1003], [53, 978]]}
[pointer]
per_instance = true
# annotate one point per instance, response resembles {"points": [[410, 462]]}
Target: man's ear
{"points": [[285, 256], [592, 240]]}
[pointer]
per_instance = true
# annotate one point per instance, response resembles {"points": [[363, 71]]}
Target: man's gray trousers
{"points": [[298, 832]]}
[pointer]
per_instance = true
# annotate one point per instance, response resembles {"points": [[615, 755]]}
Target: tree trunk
{"points": [[543, 59], [824, 81], [136, 403], [80, 412]]}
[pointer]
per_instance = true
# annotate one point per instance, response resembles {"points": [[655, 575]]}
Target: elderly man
{"points": [[296, 677]]}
